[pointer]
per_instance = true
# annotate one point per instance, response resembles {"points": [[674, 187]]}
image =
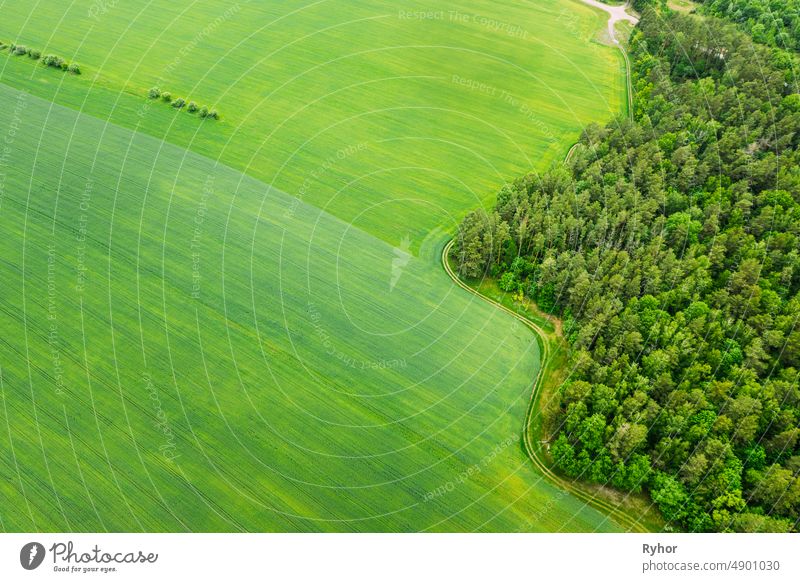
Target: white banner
{"points": [[406, 557]]}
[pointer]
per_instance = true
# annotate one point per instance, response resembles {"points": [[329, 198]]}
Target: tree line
{"points": [[670, 247], [53, 61], [180, 103]]}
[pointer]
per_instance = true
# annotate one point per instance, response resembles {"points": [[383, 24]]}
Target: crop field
{"points": [[398, 118], [243, 324]]}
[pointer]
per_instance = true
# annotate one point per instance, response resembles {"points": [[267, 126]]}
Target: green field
{"points": [[210, 326]]}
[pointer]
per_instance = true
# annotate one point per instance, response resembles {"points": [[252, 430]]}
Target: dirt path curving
{"points": [[615, 14], [534, 449]]}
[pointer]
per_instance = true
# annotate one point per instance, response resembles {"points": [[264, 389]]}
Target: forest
{"points": [[772, 22], [668, 245]]}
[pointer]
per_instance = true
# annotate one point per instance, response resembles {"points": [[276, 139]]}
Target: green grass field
{"points": [[210, 326], [299, 82]]}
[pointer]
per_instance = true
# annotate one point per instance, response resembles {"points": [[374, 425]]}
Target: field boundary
{"points": [[534, 453]]}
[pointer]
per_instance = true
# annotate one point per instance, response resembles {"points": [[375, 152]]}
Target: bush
{"points": [[34, 54], [508, 282], [74, 68], [180, 103], [19, 49], [54, 61]]}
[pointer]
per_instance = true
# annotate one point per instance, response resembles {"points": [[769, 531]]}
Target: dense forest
{"points": [[772, 22], [669, 246]]}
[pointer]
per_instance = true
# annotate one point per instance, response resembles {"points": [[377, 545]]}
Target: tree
{"points": [[778, 491], [636, 473], [591, 432], [154, 93], [564, 456], [670, 496], [508, 282], [627, 439], [54, 61], [179, 103], [471, 248], [191, 107], [782, 444]]}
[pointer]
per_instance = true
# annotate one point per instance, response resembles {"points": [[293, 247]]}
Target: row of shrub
{"points": [[181, 103], [48, 60]]}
